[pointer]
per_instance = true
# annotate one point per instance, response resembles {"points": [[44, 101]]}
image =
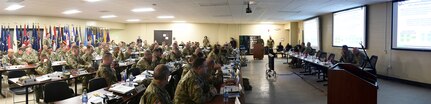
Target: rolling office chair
{"points": [[96, 83], [371, 68]]}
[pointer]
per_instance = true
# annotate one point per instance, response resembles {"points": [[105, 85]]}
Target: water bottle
{"points": [[63, 68], [84, 97], [226, 96], [124, 76]]}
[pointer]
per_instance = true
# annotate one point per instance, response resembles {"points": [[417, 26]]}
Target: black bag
{"points": [[247, 85]]}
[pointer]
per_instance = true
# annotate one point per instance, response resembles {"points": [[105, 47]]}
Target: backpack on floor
{"points": [[247, 85]]}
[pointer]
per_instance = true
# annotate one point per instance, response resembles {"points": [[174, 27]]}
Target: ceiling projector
{"points": [[248, 9]]}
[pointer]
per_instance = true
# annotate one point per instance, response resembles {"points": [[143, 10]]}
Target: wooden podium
{"points": [[258, 50], [348, 84]]}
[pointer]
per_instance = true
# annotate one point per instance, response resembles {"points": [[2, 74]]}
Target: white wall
{"points": [[196, 31], [409, 65]]}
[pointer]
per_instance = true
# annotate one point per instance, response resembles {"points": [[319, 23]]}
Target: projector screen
{"points": [[411, 22], [312, 32], [349, 28]]}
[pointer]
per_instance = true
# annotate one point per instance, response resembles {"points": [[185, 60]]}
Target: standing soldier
{"points": [[270, 43], [206, 42]]}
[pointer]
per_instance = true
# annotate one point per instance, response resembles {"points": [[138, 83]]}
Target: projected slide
{"points": [[349, 27], [311, 32], [412, 25]]}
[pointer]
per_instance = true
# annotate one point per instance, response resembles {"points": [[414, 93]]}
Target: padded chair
{"points": [[97, 83], [57, 91], [15, 89], [135, 71], [371, 68]]}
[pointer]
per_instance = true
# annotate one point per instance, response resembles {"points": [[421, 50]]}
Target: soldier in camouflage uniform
{"points": [[10, 59], [156, 92], [20, 52], [73, 60], [187, 50], [175, 53], [206, 42], [192, 88], [30, 56], [106, 71], [43, 67], [128, 53], [270, 43], [157, 58], [188, 66], [145, 62], [87, 64], [117, 54]]}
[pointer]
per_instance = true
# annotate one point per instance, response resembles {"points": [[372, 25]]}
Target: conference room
{"points": [[215, 51]]}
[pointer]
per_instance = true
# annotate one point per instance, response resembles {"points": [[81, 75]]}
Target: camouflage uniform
{"points": [[186, 69], [155, 95], [187, 51], [105, 71], [88, 65], [17, 55], [144, 64], [72, 62], [42, 69], [30, 58], [119, 56], [173, 56], [11, 61], [191, 90], [206, 42], [270, 43]]}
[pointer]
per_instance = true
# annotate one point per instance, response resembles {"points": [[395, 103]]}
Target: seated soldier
{"points": [[30, 56], [128, 53], [193, 88], [106, 71], [43, 67], [145, 62], [10, 59], [156, 92]]}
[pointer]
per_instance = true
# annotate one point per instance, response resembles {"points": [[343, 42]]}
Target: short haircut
{"points": [[345, 47], [75, 47], [161, 72], [198, 62], [106, 55], [160, 50]]}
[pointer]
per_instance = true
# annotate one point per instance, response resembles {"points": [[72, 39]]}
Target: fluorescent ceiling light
{"points": [[108, 16], [179, 21], [143, 10], [14, 7], [73, 11], [92, 0], [133, 20], [165, 17], [266, 22]]}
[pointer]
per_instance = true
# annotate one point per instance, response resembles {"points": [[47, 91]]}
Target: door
{"points": [[163, 35]]}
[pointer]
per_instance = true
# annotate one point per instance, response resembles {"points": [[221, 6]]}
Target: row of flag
{"points": [[52, 36]]}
